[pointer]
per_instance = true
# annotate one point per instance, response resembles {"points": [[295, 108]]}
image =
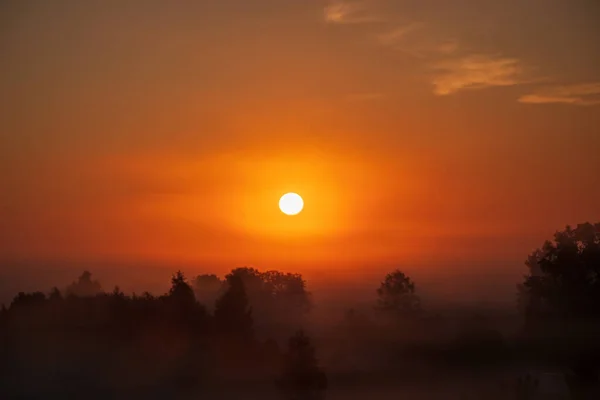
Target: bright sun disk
{"points": [[291, 203]]}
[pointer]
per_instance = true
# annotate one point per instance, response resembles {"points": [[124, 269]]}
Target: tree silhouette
{"points": [[275, 287], [288, 290], [84, 286], [28, 300], [117, 344], [55, 295], [279, 300], [302, 379], [208, 288], [560, 297], [113, 342], [181, 292], [233, 315], [182, 308], [396, 295], [564, 275]]}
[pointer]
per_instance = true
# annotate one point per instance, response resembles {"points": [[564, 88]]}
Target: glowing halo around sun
{"points": [[291, 204]]}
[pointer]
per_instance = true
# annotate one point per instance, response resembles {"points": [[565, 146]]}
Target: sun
{"points": [[291, 203]]}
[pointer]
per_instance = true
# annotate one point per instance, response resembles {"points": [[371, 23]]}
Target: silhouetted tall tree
{"points": [[55, 295], [564, 275], [180, 291], [302, 379], [560, 297], [396, 295], [208, 288], [233, 315], [279, 300], [84, 286]]}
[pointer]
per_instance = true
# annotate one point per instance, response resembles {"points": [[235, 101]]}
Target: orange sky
{"points": [[418, 133]]}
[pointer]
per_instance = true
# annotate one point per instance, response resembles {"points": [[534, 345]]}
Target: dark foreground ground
{"points": [[441, 385]]}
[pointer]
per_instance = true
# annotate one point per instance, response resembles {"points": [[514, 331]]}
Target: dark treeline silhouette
{"points": [[91, 344], [250, 335]]}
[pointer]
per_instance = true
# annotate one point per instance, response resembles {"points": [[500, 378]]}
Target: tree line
{"points": [[208, 334]]}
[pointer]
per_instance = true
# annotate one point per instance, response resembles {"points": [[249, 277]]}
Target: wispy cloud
{"points": [[584, 94], [476, 72], [358, 97], [349, 12], [449, 46], [416, 39], [451, 63], [397, 36]]}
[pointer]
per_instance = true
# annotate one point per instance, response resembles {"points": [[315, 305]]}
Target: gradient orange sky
{"points": [[417, 131]]}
